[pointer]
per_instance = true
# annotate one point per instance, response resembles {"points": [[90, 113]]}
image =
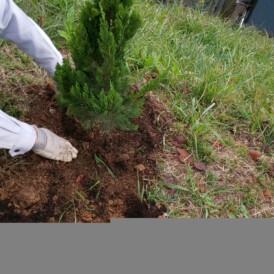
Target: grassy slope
{"points": [[227, 77], [227, 73]]}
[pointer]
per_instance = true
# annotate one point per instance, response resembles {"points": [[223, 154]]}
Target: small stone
{"points": [[52, 111], [140, 168], [122, 158], [119, 202], [110, 202]]}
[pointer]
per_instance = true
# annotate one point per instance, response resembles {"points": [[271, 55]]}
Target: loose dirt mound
{"points": [[104, 182]]}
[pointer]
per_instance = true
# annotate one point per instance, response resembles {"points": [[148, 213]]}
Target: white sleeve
{"points": [[20, 29], [16, 136]]}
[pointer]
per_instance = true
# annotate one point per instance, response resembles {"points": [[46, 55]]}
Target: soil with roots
{"points": [[105, 181]]}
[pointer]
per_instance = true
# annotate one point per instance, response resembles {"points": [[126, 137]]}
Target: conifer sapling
{"points": [[95, 86]]}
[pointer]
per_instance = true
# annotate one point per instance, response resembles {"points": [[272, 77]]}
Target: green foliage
{"points": [[95, 87]]}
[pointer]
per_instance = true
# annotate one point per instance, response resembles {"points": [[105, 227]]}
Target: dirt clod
{"points": [[122, 158], [110, 202], [140, 168], [26, 197]]}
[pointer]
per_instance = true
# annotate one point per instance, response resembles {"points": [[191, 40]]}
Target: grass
{"points": [[227, 73], [8, 166], [99, 161], [17, 74], [81, 197], [49, 15], [218, 63], [219, 85], [140, 187]]}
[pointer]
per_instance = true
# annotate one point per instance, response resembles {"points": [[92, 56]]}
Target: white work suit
{"points": [[18, 28]]}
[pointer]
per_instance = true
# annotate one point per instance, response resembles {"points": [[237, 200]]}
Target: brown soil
{"points": [[34, 189]]}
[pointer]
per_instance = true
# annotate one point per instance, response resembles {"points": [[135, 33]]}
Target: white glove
{"points": [[53, 147]]}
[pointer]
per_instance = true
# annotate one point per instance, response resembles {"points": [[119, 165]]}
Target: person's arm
{"points": [[21, 30], [20, 138], [16, 136]]}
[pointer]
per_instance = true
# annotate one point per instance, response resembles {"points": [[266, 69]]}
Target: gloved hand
{"points": [[53, 147]]}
